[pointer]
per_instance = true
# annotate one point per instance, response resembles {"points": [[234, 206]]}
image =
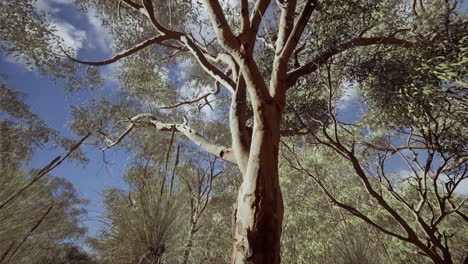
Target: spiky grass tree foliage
{"points": [[34, 226], [145, 225]]}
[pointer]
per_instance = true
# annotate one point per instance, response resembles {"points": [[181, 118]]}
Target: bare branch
{"points": [[392, 148], [126, 53], [322, 58], [121, 137], [199, 98], [132, 4]]}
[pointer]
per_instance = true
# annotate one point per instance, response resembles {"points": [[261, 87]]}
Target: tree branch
{"points": [[208, 67], [237, 124], [393, 148], [148, 10], [286, 24], [126, 53], [322, 58], [221, 26], [255, 21], [298, 30], [245, 19], [199, 98], [217, 150]]}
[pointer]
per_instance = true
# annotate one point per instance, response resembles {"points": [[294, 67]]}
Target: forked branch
{"points": [[217, 150], [197, 99], [326, 55]]}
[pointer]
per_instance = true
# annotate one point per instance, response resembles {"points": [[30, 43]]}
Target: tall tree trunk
{"points": [[259, 215]]}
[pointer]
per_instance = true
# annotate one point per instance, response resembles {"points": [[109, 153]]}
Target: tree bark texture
{"points": [[259, 214]]}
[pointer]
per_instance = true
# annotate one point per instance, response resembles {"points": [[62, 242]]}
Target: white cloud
{"points": [[72, 37], [16, 60], [181, 70], [97, 36], [46, 6], [349, 97], [98, 33], [462, 188]]}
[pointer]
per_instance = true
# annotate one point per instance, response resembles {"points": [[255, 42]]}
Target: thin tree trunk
{"points": [[188, 246], [259, 215]]}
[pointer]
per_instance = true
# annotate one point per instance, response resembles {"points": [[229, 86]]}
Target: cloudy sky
{"points": [[84, 34], [87, 38]]}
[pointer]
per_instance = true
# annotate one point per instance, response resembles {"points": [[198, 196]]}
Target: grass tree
{"points": [[144, 225]]}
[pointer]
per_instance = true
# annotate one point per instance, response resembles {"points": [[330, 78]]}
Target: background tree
{"points": [[317, 230], [39, 213], [158, 220], [201, 185], [419, 129]]}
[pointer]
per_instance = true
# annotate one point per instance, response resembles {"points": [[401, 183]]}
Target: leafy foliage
{"points": [[21, 216]]}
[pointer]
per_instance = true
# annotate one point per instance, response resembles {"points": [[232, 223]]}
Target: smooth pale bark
{"points": [[259, 215], [237, 123]]}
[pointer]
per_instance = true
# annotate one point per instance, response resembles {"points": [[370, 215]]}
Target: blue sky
{"points": [[87, 37], [89, 40]]}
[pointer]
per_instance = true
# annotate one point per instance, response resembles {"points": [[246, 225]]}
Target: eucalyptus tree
{"points": [[261, 54], [409, 147]]}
